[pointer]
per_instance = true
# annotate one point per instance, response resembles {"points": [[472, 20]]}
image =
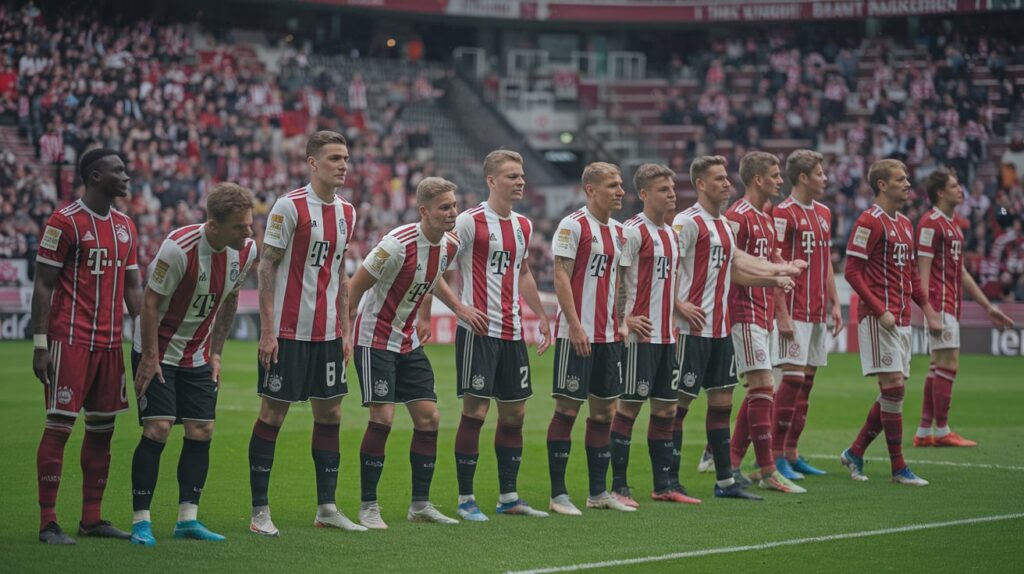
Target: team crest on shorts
{"points": [[642, 388], [478, 382], [274, 382], [143, 403], [759, 356], [380, 387], [887, 359], [794, 349], [572, 383], [122, 233], [689, 379], [64, 395], [947, 336]]}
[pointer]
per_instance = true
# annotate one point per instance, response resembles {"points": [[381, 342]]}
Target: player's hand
{"points": [[887, 321], [785, 328], [215, 369], [475, 318], [149, 368], [792, 268], [545, 335], [42, 365], [423, 332], [934, 322], [785, 283], [578, 340], [642, 326], [837, 320], [346, 350], [694, 315], [268, 350], [999, 319]]}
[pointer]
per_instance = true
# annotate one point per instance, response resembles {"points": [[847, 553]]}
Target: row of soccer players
{"points": [[307, 330]]}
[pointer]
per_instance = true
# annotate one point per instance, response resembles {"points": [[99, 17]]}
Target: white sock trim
{"points": [[140, 516], [187, 511]]}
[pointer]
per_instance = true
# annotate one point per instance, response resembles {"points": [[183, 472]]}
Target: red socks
{"points": [[740, 436], [759, 413], [799, 418], [467, 438], [95, 459], [785, 406], [942, 394], [868, 432], [891, 406], [927, 412], [49, 464]]}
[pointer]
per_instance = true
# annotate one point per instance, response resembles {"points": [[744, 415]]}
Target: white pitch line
{"points": [[766, 545], [935, 462]]}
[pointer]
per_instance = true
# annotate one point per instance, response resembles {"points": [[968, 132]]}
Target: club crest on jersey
{"points": [[274, 382], [572, 383], [233, 275], [478, 382], [519, 236], [64, 395], [823, 223], [689, 379], [380, 387], [642, 388], [51, 238], [122, 233], [341, 227]]}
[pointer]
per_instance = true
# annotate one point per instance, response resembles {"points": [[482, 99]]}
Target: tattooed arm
{"points": [[270, 259], [567, 302]]}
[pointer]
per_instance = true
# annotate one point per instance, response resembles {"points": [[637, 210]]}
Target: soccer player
{"points": [[940, 244], [710, 261], [304, 326], [801, 343], [189, 305], [881, 269], [491, 356], [751, 314], [88, 270], [392, 324], [588, 353], [646, 300]]}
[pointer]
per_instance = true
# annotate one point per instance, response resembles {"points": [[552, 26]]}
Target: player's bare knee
{"points": [[199, 430], [326, 412], [382, 414], [663, 409], [890, 380], [475, 407], [720, 397], [630, 409], [273, 412], [947, 359], [759, 380], [567, 407], [512, 414], [157, 430], [426, 416], [602, 410], [684, 401]]}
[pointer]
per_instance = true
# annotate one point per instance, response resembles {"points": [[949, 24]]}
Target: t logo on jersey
{"points": [[807, 241], [598, 265], [418, 291], [955, 249], [318, 254], [899, 253], [203, 303], [717, 257], [761, 248], [500, 261], [661, 267], [98, 260]]}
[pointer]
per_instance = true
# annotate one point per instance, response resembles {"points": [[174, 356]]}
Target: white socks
{"points": [[187, 511]]}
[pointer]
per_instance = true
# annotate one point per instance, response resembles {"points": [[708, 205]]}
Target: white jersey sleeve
{"points": [[567, 239], [686, 230], [281, 224], [250, 249], [384, 261], [168, 268], [465, 229], [631, 247]]}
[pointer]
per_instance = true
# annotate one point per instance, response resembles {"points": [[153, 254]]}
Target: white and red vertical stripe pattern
{"points": [[494, 249], [593, 279], [387, 312], [652, 252], [940, 238], [706, 244], [755, 234]]}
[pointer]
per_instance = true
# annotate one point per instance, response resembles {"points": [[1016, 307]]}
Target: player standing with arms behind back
{"points": [[304, 326], [881, 268], [940, 246], [187, 311], [491, 355], [88, 271]]}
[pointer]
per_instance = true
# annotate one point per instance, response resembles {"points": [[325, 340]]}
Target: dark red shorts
{"points": [[93, 380]]}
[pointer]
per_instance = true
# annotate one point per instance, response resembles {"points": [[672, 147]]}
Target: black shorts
{"points": [[304, 370], [491, 368], [599, 375], [649, 372], [388, 377], [705, 363], [187, 394]]}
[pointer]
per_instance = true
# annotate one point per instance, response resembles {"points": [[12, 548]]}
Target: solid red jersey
{"points": [[804, 233], [755, 234], [890, 268], [940, 238], [93, 253]]}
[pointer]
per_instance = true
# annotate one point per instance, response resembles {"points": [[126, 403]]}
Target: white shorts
{"points": [[883, 350], [809, 345], [753, 347], [950, 337]]}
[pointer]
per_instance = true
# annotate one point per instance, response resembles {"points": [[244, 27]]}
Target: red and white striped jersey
{"points": [[314, 236], [493, 252], [596, 248], [194, 280], [705, 274], [940, 238], [755, 234], [804, 233], [887, 243], [650, 257], [407, 266], [93, 253]]}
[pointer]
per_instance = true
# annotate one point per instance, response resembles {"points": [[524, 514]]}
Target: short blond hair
{"points": [[648, 172], [599, 171], [801, 161], [756, 163], [882, 170], [498, 158], [700, 166], [430, 188], [227, 199]]}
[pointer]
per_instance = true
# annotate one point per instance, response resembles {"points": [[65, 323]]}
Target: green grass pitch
{"points": [[980, 482]]}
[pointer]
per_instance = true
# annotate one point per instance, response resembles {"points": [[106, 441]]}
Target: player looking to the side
{"points": [[391, 290], [304, 327], [189, 305], [801, 343], [491, 355], [883, 272], [88, 272], [940, 246]]}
